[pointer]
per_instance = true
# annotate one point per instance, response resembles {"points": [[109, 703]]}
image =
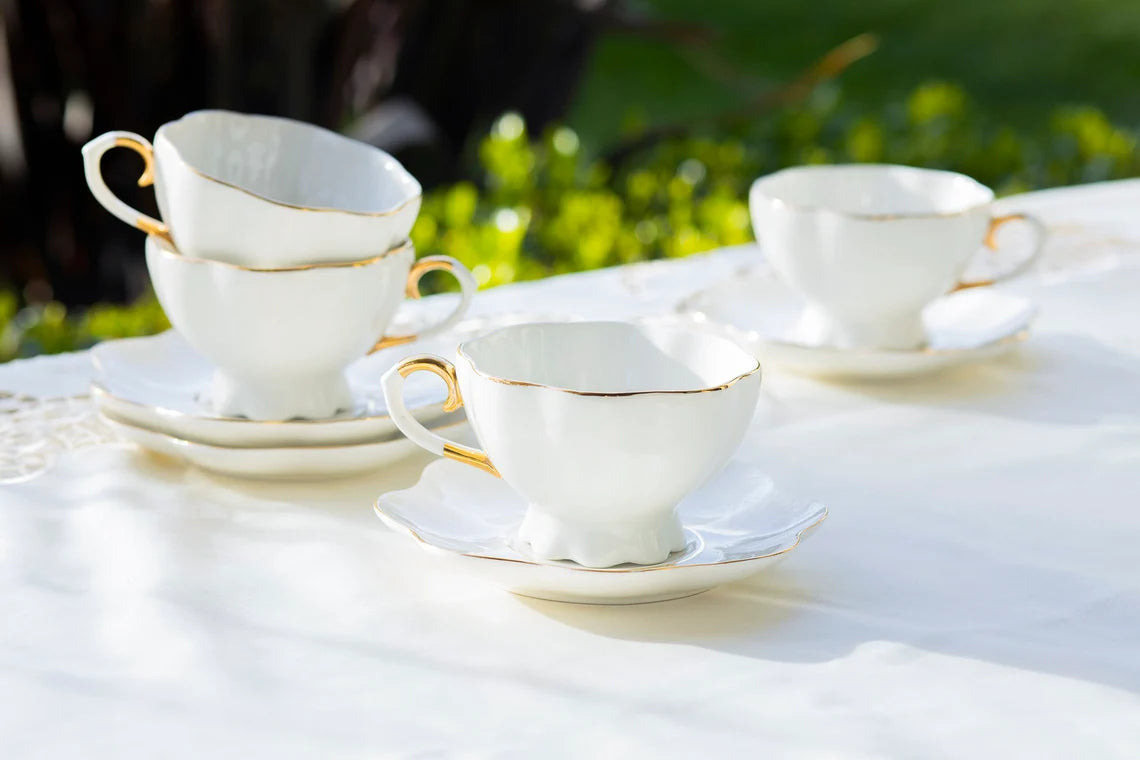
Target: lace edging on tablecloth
{"points": [[35, 431]]}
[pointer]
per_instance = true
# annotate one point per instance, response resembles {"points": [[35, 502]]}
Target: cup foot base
{"points": [[818, 328], [644, 541], [282, 399]]}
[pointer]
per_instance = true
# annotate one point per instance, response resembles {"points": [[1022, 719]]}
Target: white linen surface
{"points": [[975, 592]]}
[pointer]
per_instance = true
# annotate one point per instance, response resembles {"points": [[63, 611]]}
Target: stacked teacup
{"points": [[281, 257]]}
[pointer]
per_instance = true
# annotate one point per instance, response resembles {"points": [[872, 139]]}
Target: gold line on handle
{"points": [[997, 223], [146, 179], [990, 242], [419, 269], [412, 290], [149, 227], [469, 456], [446, 372], [391, 340], [972, 284]]}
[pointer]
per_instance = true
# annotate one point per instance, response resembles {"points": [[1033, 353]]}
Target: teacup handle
{"points": [[393, 385], [92, 158], [991, 242], [467, 288]]}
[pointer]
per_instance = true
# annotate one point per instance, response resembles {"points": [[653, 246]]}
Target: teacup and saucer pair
{"points": [[609, 470], [281, 262], [873, 271]]}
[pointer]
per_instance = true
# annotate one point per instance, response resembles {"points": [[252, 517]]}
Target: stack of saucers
{"points": [[154, 391], [281, 260]]}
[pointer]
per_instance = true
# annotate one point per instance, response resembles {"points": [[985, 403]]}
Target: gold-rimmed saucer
{"points": [[278, 463], [157, 383], [736, 525], [760, 312]]}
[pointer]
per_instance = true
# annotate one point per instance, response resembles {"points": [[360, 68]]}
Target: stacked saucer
{"points": [[154, 391]]}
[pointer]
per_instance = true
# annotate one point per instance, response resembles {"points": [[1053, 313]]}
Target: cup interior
{"points": [[616, 358], [290, 162], [874, 190]]}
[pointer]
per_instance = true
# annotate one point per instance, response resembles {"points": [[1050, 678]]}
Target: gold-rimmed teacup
{"points": [[263, 191], [281, 339], [603, 427]]}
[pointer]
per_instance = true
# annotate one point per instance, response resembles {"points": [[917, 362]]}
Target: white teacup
{"points": [[281, 339], [869, 246], [261, 191], [603, 427]]}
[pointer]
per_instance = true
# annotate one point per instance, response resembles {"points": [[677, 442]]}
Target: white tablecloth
{"points": [[975, 592]]}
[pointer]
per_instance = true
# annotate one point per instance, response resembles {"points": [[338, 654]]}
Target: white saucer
{"points": [[156, 382], [279, 462], [762, 313], [736, 525]]}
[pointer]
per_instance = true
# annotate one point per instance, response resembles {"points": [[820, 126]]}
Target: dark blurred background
{"points": [[414, 77], [550, 135]]}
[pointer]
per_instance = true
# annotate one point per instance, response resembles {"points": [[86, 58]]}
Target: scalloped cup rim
{"points": [[465, 349], [761, 187], [169, 249], [403, 178]]}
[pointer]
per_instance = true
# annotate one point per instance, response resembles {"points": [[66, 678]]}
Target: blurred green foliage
{"points": [[547, 206], [1019, 58], [543, 205], [50, 329]]}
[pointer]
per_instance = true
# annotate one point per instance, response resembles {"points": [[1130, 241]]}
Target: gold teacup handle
{"points": [[393, 384], [991, 242], [467, 288], [92, 158]]}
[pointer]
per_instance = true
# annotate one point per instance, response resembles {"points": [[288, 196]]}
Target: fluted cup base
{"points": [[601, 543], [312, 398]]}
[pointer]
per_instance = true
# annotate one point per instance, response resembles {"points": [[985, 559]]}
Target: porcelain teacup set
{"points": [[607, 452], [866, 273]]}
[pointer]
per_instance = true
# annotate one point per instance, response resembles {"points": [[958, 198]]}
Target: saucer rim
{"points": [[686, 308], [189, 442], [99, 389], [1012, 338], [98, 386], [402, 526]]}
